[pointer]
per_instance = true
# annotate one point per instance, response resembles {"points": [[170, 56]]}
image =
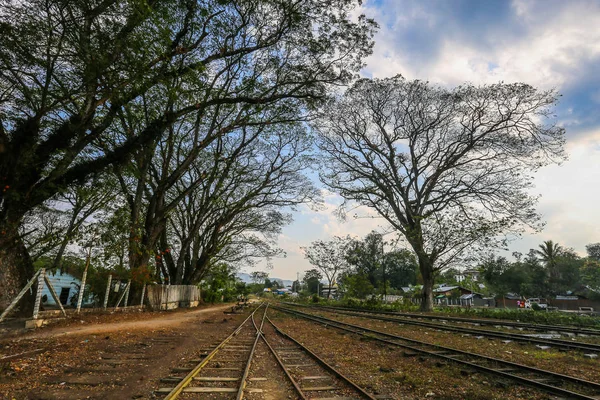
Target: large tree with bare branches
{"points": [[449, 169]]}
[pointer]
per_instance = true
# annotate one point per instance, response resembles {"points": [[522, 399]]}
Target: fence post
{"points": [[143, 293], [122, 295], [21, 294], [54, 295], [38, 295], [107, 291], [127, 293], [82, 287]]}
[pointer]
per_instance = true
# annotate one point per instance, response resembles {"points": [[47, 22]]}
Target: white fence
{"points": [[167, 297]]}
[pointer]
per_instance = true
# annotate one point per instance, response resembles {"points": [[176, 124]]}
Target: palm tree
{"points": [[549, 253]]}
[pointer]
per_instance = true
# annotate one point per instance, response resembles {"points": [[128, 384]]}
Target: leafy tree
{"points": [[549, 252], [259, 276], [356, 285], [448, 276], [593, 251], [590, 274], [296, 286], [91, 84], [221, 284], [568, 275], [402, 267], [234, 213], [330, 257], [268, 283], [447, 168], [311, 280], [536, 284], [366, 256]]}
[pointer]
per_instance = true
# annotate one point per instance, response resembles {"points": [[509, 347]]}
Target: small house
{"points": [[66, 287]]}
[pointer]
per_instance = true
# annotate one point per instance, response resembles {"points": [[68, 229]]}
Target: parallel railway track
{"points": [[558, 343], [479, 321], [559, 384]]}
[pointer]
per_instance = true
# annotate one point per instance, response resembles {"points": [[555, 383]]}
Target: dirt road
{"points": [[108, 356]]}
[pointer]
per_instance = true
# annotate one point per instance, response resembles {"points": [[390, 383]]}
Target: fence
{"points": [[167, 297], [59, 290]]}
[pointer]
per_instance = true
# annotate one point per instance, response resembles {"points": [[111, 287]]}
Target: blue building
{"points": [[65, 285]]}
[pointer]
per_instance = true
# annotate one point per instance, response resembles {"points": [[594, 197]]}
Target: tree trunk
{"points": [[16, 268], [426, 267]]}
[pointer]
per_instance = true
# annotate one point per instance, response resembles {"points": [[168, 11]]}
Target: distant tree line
{"points": [[549, 270], [361, 268]]}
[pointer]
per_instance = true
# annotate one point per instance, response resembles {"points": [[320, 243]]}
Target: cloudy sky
{"points": [[545, 43]]}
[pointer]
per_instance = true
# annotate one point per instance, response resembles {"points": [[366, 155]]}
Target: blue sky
{"points": [[545, 43]]}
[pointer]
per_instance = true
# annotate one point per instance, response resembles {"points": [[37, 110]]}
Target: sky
{"points": [[545, 43]]}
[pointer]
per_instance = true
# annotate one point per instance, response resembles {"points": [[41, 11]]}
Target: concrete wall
{"points": [[168, 297]]}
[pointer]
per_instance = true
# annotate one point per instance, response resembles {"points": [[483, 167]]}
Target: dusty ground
{"points": [[101, 358], [572, 363], [124, 356], [387, 372]]}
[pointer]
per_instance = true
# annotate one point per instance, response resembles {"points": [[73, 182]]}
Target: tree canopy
{"points": [[156, 93], [448, 169]]}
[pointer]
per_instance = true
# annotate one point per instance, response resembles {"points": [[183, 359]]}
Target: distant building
{"points": [[473, 274], [326, 291]]}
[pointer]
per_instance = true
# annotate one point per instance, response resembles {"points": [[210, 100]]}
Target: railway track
{"points": [[479, 321], [223, 371], [551, 382], [550, 342], [308, 372]]}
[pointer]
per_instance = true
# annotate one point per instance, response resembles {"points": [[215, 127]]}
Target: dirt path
{"points": [[108, 359], [157, 321]]}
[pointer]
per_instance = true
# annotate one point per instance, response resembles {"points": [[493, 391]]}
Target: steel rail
{"points": [[443, 351], [483, 332], [283, 367], [240, 393], [319, 360], [176, 391], [532, 326]]}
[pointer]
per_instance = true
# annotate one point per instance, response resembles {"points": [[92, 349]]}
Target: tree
{"points": [[590, 274], [401, 266], [500, 276], [296, 286], [549, 253], [329, 257], [72, 73], [367, 256], [446, 168], [259, 276], [311, 280], [356, 285], [593, 251], [235, 214]]}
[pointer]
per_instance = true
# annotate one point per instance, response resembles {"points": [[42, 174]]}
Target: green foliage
{"points": [[356, 285], [221, 285], [312, 279], [372, 269], [590, 273]]}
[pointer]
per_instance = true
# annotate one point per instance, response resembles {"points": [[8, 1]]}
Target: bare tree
{"points": [[234, 214], [330, 257], [447, 168]]}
